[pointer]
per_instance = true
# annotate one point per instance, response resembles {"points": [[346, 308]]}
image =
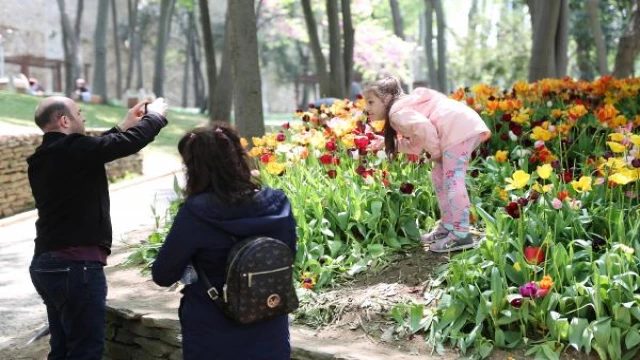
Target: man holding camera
{"points": [[73, 231]]}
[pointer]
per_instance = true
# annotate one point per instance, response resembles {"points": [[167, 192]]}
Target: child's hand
{"points": [[377, 143]]}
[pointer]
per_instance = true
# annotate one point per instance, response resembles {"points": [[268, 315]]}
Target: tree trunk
{"points": [[100, 51], [116, 44], [532, 5], [161, 46], [209, 54], [249, 120], [198, 81], [316, 49], [131, 34], [442, 46], [562, 40], [629, 45], [428, 46], [543, 50], [187, 58], [398, 27], [583, 58], [593, 11], [71, 43], [336, 60], [349, 44], [140, 78], [223, 97], [304, 65]]}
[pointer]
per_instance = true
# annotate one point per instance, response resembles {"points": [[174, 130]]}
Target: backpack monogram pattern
{"points": [[258, 281]]}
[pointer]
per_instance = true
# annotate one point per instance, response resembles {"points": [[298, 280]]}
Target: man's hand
{"points": [[158, 106], [133, 116]]}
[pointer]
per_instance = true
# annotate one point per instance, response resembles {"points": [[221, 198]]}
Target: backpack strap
{"points": [[211, 290]]}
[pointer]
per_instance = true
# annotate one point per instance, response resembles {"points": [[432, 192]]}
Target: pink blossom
{"points": [[556, 203]]}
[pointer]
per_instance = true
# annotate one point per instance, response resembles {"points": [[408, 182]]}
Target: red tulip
{"points": [[281, 137], [534, 255], [265, 158], [513, 210], [286, 126], [361, 142], [563, 195], [517, 302], [414, 158], [330, 146], [332, 174], [326, 159], [406, 188]]}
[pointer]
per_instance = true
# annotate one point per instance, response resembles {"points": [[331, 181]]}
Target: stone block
{"points": [[154, 347], [123, 313], [140, 354], [119, 351], [162, 320], [124, 336], [171, 337], [176, 355], [139, 329]]}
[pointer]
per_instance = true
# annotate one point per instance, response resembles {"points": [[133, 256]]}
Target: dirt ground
{"points": [[355, 312]]}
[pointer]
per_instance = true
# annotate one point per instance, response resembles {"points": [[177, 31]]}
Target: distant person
{"points": [[223, 203], [73, 230], [82, 91], [35, 88]]}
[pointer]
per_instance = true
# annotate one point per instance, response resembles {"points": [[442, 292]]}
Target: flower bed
{"points": [[555, 191]]}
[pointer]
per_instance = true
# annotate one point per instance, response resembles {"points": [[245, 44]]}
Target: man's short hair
{"points": [[51, 112]]}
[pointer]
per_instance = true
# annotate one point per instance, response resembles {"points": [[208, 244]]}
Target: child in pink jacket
{"points": [[449, 131]]}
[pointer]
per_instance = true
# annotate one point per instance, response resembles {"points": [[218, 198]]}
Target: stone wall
{"points": [[15, 193], [130, 335]]}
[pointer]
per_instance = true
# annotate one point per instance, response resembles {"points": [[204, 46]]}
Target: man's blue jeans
{"points": [[75, 295]]}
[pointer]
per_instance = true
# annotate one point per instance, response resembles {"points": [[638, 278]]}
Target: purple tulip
{"points": [[529, 289]]}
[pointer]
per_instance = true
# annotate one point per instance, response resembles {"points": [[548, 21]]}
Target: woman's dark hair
{"points": [[388, 90], [216, 162]]}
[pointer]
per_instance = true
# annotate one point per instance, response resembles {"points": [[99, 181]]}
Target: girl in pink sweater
{"points": [[449, 131]]}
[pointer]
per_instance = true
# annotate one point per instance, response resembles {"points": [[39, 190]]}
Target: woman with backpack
{"points": [[223, 207]]}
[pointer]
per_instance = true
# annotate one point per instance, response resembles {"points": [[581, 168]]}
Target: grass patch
{"points": [[18, 109]]}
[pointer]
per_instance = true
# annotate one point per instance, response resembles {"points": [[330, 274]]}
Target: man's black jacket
{"points": [[69, 183]]}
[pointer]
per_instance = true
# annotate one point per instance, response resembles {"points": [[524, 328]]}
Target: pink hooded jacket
{"points": [[429, 120]]}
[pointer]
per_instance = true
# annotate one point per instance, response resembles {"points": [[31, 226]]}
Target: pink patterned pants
{"points": [[449, 181]]}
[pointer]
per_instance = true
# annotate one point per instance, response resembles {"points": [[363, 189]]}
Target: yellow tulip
{"points": [[582, 185], [615, 147], [621, 178], [518, 180], [617, 137], [542, 189], [243, 142], [377, 125], [275, 168], [635, 139], [544, 171], [348, 140], [516, 267], [501, 156], [258, 141], [541, 134]]}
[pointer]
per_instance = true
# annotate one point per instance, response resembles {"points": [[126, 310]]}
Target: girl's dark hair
{"points": [[388, 90], [216, 162]]}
